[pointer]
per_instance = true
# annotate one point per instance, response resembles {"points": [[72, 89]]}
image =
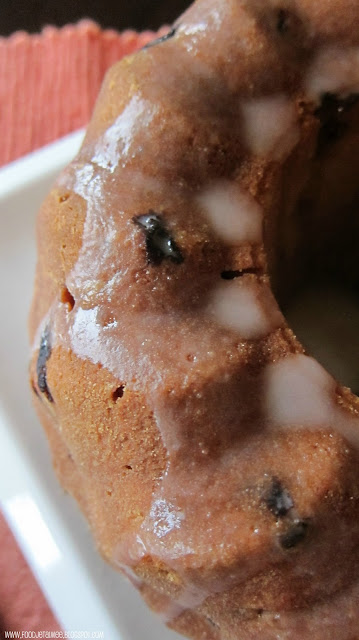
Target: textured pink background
{"points": [[48, 85]]}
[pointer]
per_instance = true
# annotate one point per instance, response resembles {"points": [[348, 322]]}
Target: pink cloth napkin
{"points": [[49, 82], [48, 86]]}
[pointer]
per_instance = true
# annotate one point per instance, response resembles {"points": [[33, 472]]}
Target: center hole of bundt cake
{"points": [[315, 273]]}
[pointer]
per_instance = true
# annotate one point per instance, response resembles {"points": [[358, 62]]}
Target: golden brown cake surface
{"points": [[216, 461]]}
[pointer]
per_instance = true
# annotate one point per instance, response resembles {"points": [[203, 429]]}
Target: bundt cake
{"points": [[216, 460]]}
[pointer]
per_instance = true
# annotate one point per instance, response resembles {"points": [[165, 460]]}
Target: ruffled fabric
{"points": [[49, 82]]}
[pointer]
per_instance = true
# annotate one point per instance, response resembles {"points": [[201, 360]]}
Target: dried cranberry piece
{"points": [[159, 243], [278, 499], [295, 534], [118, 393]]}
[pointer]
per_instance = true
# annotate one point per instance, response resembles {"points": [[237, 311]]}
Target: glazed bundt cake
{"points": [[216, 460]]}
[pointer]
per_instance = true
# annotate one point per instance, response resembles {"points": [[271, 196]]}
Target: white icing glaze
{"points": [[190, 598], [164, 517], [246, 306], [98, 222], [103, 218], [233, 213], [116, 144], [108, 345], [270, 126], [193, 29], [300, 393], [90, 340], [130, 575], [197, 26], [334, 70]]}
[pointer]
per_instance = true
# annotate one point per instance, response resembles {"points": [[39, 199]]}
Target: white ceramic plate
{"points": [[84, 593]]}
